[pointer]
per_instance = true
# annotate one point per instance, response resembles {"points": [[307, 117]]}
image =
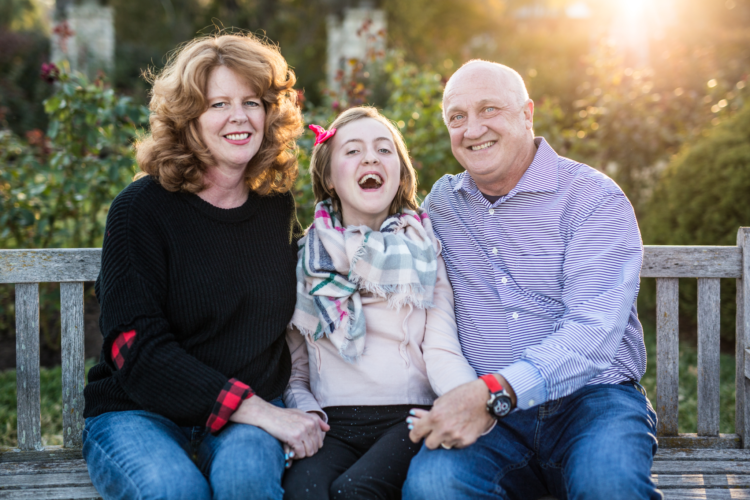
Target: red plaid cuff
{"points": [[233, 393], [121, 346]]}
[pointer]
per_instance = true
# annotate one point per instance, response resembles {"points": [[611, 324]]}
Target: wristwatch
{"points": [[499, 404]]}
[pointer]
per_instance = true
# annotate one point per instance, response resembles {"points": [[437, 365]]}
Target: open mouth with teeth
{"points": [[482, 146], [370, 182], [238, 137]]}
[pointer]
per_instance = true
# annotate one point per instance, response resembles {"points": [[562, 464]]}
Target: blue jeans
{"points": [[597, 443], [142, 455]]}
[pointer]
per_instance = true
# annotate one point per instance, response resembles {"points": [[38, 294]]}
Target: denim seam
{"points": [[125, 474]]}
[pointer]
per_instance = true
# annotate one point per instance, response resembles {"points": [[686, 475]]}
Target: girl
{"points": [[373, 333]]}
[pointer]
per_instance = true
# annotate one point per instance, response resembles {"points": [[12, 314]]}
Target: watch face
{"points": [[501, 406]]}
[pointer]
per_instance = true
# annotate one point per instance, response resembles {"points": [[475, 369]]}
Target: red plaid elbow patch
{"points": [[233, 393], [120, 347]]}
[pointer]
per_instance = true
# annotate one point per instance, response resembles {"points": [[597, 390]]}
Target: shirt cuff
{"points": [[527, 382], [230, 398]]}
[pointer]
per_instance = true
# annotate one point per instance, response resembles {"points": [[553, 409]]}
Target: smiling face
{"points": [[490, 125], [232, 125], [365, 172]]}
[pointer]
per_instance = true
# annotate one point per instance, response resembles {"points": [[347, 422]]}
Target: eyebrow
{"points": [[482, 103], [360, 140]]}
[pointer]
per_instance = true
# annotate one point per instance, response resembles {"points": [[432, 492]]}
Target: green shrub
{"points": [[702, 199]]}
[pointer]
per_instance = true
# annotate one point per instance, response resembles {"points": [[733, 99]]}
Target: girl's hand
{"points": [[302, 432], [414, 415]]}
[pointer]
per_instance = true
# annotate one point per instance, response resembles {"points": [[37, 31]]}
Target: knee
{"points": [[613, 479], [432, 476], [247, 463]]}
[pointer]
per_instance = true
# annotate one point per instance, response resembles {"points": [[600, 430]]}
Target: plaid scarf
{"points": [[398, 263]]}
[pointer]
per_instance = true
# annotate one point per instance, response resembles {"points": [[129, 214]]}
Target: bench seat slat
{"points": [[706, 494], [65, 493], [709, 304], [27, 367], [73, 362], [667, 354]]}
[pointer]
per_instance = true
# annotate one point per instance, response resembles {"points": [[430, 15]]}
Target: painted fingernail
{"points": [[411, 427], [412, 412], [409, 420], [291, 454]]}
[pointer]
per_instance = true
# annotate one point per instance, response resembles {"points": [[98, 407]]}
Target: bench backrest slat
{"points": [[742, 405], [709, 304], [27, 367], [50, 265], [667, 354], [691, 262], [73, 362]]}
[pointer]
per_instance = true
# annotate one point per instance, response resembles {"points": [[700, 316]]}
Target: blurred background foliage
{"points": [[672, 129]]}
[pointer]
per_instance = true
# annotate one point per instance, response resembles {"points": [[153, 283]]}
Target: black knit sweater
{"points": [[209, 293]]}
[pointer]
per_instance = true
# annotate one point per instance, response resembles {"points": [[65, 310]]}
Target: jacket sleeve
{"points": [[447, 367], [601, 278], [298, 393], [148, 363]]}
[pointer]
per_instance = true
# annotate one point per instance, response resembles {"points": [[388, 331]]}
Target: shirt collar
{"points": [[540, 177]]}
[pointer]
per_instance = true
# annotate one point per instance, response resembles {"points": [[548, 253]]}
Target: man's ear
{"points": [[528, 113]]}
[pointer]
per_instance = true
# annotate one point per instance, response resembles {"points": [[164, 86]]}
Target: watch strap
{"points": [[492, 384]]}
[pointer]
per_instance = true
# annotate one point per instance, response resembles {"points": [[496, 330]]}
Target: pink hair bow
{"points": [[321, 135]]}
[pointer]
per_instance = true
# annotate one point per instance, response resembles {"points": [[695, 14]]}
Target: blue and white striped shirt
{"points": [[546, 278]]}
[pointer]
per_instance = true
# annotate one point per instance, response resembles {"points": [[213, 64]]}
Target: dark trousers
{"points": [[366, 454]]}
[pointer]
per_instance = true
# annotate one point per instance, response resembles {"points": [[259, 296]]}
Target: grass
{"points": [[51, 394]]}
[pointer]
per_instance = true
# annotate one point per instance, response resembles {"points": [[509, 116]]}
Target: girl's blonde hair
{"points": [[174, 153], [320, 163]]}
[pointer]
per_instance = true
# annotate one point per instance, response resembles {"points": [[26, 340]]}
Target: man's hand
{"points": [[457, 418], [302, 432]]}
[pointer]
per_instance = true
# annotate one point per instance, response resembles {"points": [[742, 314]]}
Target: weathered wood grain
{"points": [[700, 467], [694, 441], [742, 405], [53, 265], [27, 481], [710, 454], [709, 303], [73, 359], [667, 355], [27, 367], [707, 494], [668, 481], [47, 467], [49, 453], [691, 262], [69, 493]]}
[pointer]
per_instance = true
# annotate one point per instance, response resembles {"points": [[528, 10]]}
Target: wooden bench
{"points": [[702, 465]]}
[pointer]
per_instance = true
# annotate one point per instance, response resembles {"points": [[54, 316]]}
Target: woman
{"points": [[197, 285], [375, 329]]}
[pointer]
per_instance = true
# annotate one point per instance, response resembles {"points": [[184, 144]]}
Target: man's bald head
{"points": [[506, 77]]}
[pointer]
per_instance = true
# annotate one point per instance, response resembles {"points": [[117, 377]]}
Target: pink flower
{"points": [[50, 72]]}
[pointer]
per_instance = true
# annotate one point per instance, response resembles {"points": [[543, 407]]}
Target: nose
{"points": [[238, 114], [370, 158], [474, 129]]}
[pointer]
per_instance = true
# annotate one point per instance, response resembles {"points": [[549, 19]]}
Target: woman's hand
{"points": [[302, 432]]}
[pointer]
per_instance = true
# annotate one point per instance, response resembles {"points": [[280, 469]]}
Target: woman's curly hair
{"points": [[174, 153]]}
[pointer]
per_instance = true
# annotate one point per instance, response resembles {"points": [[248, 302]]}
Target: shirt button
{"points": [[531, 402], [492, 211], [504, 280], [494, 251], [515, 315]]}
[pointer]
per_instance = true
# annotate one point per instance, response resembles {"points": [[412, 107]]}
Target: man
{"points": [[544, 255]]}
